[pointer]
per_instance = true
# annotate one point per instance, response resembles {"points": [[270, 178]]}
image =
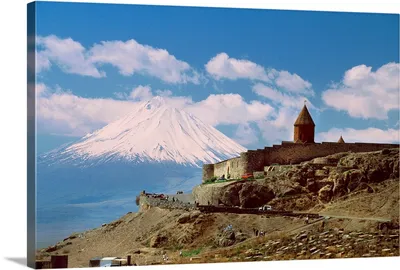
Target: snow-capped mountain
{"points": [[156, 147], [153, 132]]}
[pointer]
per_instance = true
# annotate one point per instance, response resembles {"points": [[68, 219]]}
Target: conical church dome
{"points": [[304, 118], [304, 127]]}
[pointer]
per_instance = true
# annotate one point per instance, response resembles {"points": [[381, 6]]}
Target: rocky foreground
{"points": [[331, 243], [357, 196]]}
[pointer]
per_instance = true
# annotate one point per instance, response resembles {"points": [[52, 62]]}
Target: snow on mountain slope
{"points": [[155, 132]]}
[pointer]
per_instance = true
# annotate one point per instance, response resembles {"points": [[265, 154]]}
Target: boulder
{"points": [[240, 237], [230, 195], [226, 238], [194, 215], [321, 173], [292, 189], [379, 173], [253, 195], [353, 178], [339, 184], [298, 178], [184, 218], [312, 185], [325, 194], [310, 174], [364, 186], [248, 195], [225, 242], [378, 166]]}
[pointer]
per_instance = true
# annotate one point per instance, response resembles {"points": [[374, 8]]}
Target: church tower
{"points": [[304, 127]]}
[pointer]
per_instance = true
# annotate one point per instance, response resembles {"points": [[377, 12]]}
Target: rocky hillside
{"points": [[356, 194], [304, 186]]}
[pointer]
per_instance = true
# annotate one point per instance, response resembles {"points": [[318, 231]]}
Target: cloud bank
{"points": [[371, 135], [364, 93], [129, 57], [61, 112], [224, 67]]}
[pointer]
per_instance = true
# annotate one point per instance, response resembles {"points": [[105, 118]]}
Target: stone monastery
{"points": [[302, 148]]}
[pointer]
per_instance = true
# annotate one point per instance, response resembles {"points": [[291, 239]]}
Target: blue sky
{"points": [[246, 72]]}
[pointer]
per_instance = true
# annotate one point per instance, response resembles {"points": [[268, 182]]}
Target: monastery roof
{"points": [[304, 118]]}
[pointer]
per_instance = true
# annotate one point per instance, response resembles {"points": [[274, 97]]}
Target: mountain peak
{"points": [[154, 132], [155, 102]]}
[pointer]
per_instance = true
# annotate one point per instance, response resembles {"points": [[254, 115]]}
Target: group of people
{"points": [[223, 177], [258, 233], [228, 228], [165, 257]]}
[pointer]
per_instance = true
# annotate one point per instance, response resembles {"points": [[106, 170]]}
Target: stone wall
{"points": [[274, 170], [208, 171], [286, 153], [232, 167], [146, 202], [221, 168], [255, 160], [296, 153]]}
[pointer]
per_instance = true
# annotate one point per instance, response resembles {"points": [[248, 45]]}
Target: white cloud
{"points": [[372, 135], [364, 93], [293, 83], [131, 57], [222, 66], [61, 112], [141, 93], [292, 100], [164, 93], [120, 95], [214, 110], [42, 62], [280, 127], [145, 93], [245, 134], [228, 109], [69, 55], [128, 57], [41, 89]]}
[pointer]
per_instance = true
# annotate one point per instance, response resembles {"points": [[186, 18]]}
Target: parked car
{"points": [[248, 176], [265, 208]]}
